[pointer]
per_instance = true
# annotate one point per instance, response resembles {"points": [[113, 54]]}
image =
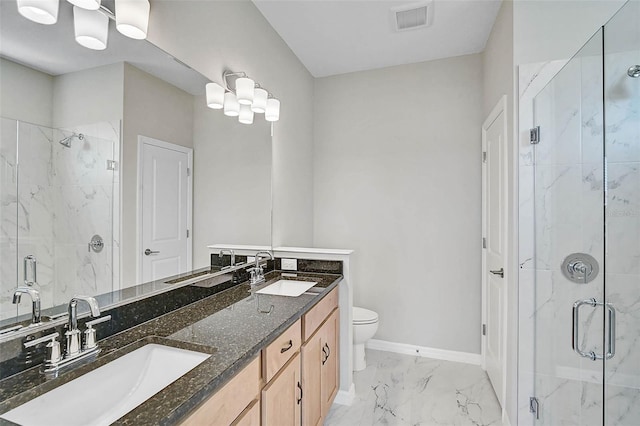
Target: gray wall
{"points": [[212, 36], [549, 30], [25, 94], [498, 80], [232, 181], [159, 110], [397, 178], [88, 96]]}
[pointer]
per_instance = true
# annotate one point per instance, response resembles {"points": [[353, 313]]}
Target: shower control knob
{"points": [[149, 252], [96, 244], [580, 268]]}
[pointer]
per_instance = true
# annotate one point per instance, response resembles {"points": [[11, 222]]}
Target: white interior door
{"points": [[494, 173], [165, 209]]}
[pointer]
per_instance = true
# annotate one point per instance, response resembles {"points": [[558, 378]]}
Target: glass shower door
{"points": [[622, 147], [569, 314], [65, 195]]}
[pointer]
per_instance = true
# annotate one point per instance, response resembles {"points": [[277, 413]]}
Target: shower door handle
{"points": [[575, 338], [612, 331], [575, 334]]}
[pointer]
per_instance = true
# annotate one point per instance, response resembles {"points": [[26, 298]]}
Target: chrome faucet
{"points": [[35, 301], [257, 273], [72, 334], [76, 350], [233, 257]]}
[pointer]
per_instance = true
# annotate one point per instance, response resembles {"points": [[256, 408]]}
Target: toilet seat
{"points": [[364, 316]]}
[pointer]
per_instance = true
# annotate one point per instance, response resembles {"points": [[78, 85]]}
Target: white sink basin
{"points": [[107, 393], [291, 288]]}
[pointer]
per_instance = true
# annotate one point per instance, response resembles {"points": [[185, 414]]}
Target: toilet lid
{"points": [[364, 316]]}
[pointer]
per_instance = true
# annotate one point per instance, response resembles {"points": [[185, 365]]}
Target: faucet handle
{"points": [[100, 320], [31, 343], [90, 332], [53, 347]]}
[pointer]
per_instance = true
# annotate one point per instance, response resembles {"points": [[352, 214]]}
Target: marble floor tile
{"points": [[402, 390]]}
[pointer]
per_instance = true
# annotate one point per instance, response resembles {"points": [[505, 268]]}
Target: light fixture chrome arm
{"points": [[227, 74], [106, 12]]}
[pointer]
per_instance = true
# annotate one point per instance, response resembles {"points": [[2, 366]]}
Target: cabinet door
{"points": [[329, 364], [312, 356], [250, 416], [282, 397]]}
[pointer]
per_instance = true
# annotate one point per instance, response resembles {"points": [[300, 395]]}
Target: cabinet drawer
{"points": [[317, 314], [227, 404], [281, 350]]}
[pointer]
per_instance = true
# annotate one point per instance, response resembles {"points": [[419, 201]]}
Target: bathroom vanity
{"points": [[294, 379], [272, 359]]}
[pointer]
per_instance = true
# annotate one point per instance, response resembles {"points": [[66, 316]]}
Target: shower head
{"points": [[67, 141], [634, 71]]}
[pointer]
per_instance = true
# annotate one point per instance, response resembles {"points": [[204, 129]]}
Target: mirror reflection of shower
{"points": [[67, 141], [634, 71]]}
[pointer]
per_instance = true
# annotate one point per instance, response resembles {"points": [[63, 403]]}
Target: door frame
{"points": [[501, 107], [145, 140]]}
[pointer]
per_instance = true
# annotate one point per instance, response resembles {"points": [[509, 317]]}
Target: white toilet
{"points": [[365, 325]]}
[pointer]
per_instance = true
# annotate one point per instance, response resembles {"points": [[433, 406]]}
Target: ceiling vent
{"points": [[412, 16]]}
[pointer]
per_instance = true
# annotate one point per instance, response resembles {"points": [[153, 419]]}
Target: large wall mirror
{"points": [[92, 142]]}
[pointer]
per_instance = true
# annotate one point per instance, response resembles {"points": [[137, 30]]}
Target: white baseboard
{"points": [[406, 349], [346, 397]]}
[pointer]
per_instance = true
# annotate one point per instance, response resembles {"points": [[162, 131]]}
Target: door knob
{"points": [[499, 272], [149, 252]]}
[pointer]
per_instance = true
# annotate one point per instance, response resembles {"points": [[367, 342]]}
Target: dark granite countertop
{"points": [[233, 326]]}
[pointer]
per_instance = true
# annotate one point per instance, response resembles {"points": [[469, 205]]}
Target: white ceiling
{"points": [[339, 36]]}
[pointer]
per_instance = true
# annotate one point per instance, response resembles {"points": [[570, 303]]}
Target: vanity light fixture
{"points": [[259, 104], [91, 18], [91, 28], [246, 115], [242, 97], [245, 89], [273, 110], [231, 105], [39, 11], [86, 4], [215, 96], [132, 18]]}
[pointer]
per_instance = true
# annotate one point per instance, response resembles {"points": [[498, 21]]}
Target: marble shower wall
{"points": [[560, 212], [64, 196], [622, 144]]}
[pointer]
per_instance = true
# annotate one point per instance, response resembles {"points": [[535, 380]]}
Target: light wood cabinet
{"points": [[300, 369], [320, 371], [230, 401], [320, 312], [330, 374], [281, 350], [250, 416], [312, 356], [282, 397]]}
